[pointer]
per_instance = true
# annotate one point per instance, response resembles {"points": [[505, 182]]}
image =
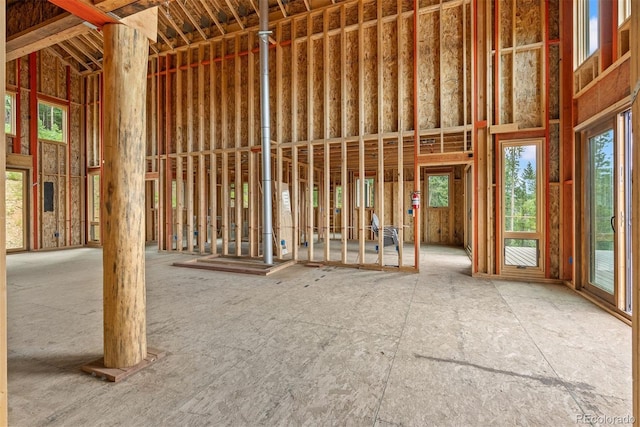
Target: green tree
{"points": [[512, 185]]}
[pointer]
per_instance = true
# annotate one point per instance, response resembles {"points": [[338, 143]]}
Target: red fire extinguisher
{"points": [[415, 200]]}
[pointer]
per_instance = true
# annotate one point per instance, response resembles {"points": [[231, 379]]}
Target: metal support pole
{"points": [[265, 116]]}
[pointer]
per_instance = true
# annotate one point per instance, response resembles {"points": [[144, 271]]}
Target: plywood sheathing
{"points": [[554, 155], [554, 231]]}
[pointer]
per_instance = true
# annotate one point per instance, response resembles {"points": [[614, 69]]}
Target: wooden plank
{"points": [[237, 85], [635, 77], [213, 165], [399, 213], [97, 368], [202, 173], [146, 22], [189, 150], [295, 196], [21, 161], [326, 200], [254, 193], [310, 132], [380, 202], [4, 401], [361, 106], [344, 223], [179, 231]]}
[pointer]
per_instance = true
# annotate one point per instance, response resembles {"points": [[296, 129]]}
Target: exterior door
{"points": [[601, 214]]}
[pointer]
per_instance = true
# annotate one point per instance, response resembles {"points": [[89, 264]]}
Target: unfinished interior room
{"points": [[320, 212]]}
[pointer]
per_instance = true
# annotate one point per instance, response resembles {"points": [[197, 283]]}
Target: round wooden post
{"points": [[126, 53]]}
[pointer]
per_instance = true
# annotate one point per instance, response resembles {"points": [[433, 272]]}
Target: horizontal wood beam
{"points": [[57, 28], [457, 158]]}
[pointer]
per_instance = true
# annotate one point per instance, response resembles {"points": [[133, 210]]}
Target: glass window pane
{"points": [[9, 114], [438, 191], [602, 210], [520, 188], [521, 252], [51, 122]]}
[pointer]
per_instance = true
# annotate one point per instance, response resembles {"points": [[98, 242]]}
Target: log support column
{"points": [[125, 76]]}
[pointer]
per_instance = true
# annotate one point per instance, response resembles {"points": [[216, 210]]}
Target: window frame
{"points": [[65, 120], [539, 233], [12, 96], [582, 39]]}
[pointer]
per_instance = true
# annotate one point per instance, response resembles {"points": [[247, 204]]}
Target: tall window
{"points": [[52, 122], [10, 113], [521, 204], [587, 29], [624, 10]]}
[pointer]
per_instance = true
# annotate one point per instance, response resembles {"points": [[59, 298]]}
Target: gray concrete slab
{"points": [[315, 346]]}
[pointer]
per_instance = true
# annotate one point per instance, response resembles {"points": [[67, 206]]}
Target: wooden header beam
{"points": [[55, 29]]}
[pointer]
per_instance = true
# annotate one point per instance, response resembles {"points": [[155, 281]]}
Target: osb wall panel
{"points": [[334, 83], [61, 211], [49, 220], [452, 43], [390, 77], [301, 112], [244, 103], [287, 95], [406, 58], [554, 153], [612, 87], [554, 82], [217, 94], [273, 90], [317, 116], [49, 158], [76, 140], [528, 92], [506, 23], [506, 88], [352, 70], [76, 211], [370, 96], [23, 116], [458, 208], [528, 23], [554, 231], [554, 19], [49, 73], [429, 71]]}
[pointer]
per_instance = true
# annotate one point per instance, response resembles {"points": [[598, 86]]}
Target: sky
{"points": [[593, 26]]}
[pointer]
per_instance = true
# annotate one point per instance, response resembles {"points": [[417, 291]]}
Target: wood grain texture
{"points": [[125, 68]]}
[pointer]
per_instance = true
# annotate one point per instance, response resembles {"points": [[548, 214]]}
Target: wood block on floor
{"points": [[97, 368]]}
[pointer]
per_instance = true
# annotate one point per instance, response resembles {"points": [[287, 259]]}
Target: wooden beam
{"points": [[4, 402], [213, 16], [65, 26], [235, 14], [635, 78], [192, 19]]}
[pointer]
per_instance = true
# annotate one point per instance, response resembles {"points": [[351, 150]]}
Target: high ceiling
{"points": [[180, 23]]}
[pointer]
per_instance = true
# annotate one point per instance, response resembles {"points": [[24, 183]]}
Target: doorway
{"points": [[16, 210]]}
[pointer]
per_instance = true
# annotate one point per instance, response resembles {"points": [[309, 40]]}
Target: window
{"points": [[10, 113], [52, 122], [339, 197], [369, 191], [522, 227], [587, 29], [315, 196], [438, 191], [245, 195], [624, 10]]}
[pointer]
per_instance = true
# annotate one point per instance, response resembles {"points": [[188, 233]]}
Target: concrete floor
{"points": [[315, 346]]}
